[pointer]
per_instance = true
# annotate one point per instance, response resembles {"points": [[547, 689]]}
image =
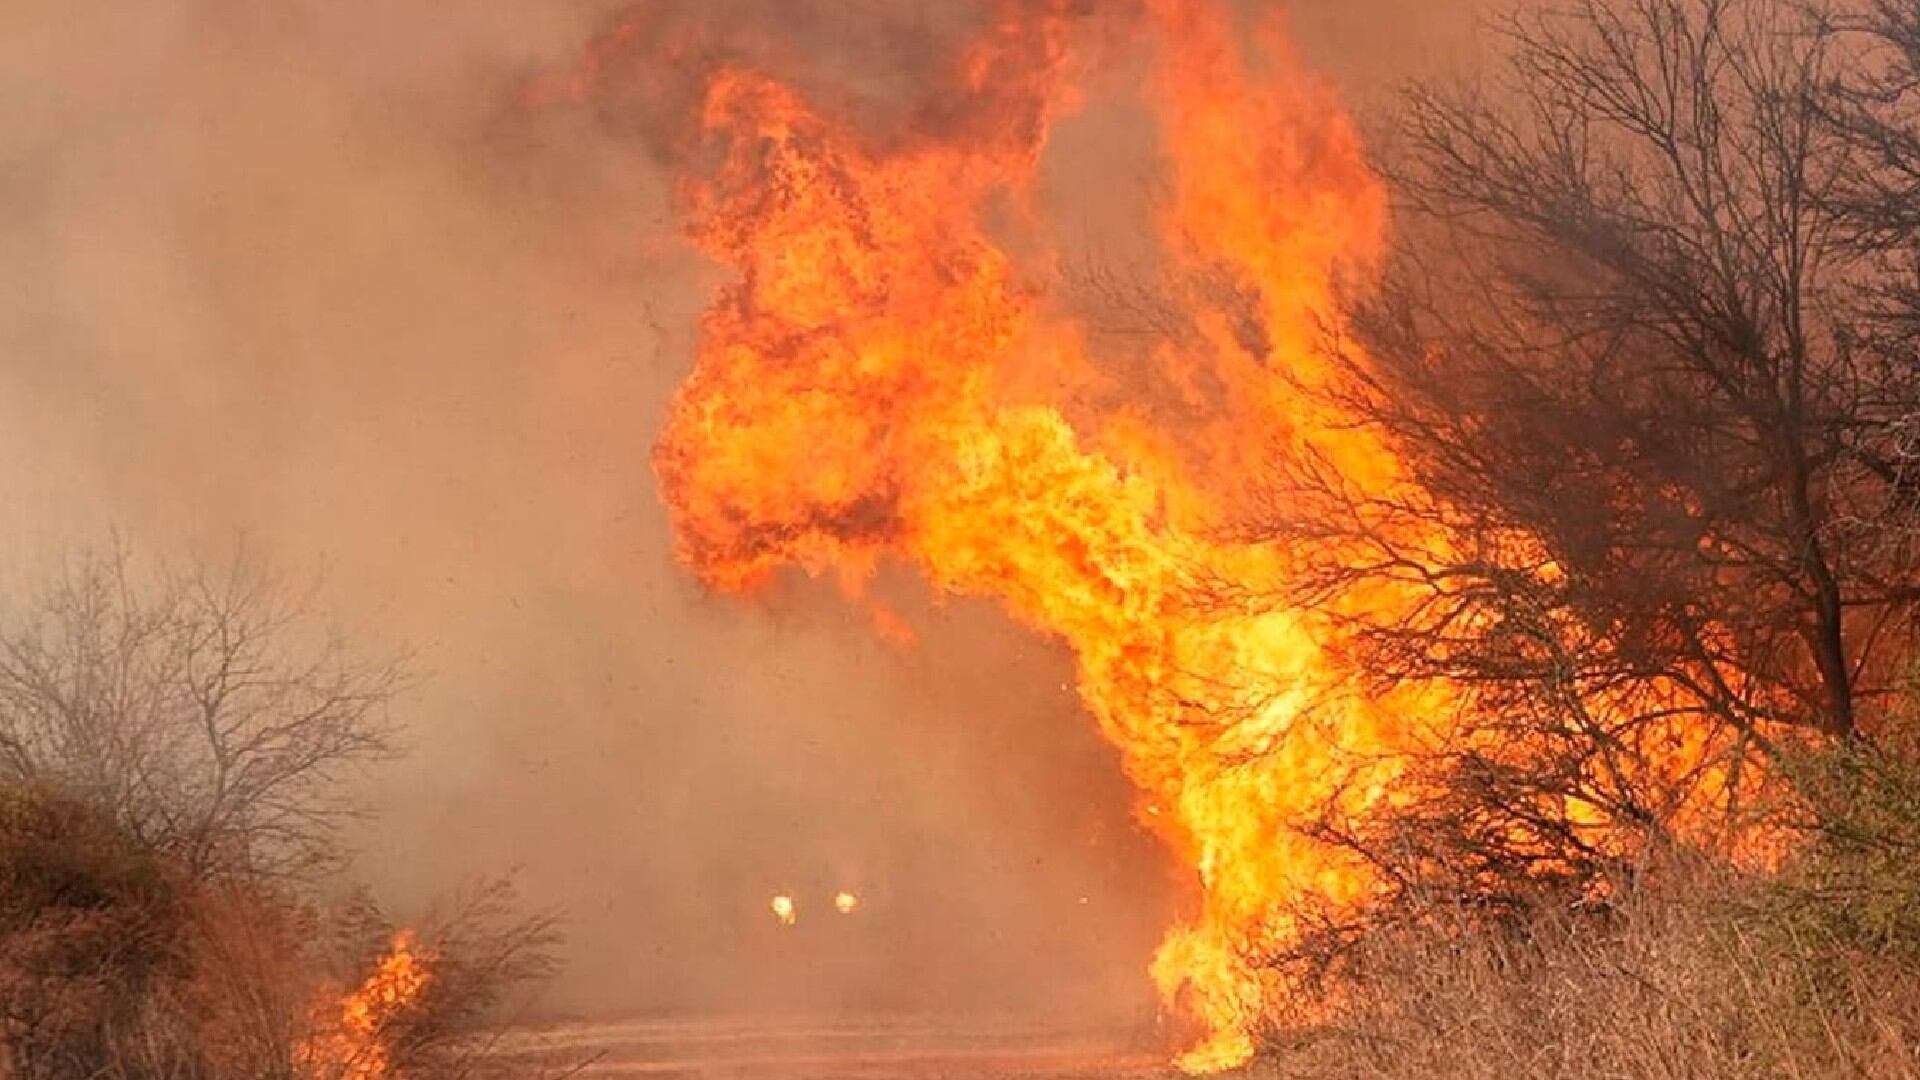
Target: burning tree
{"points": [[1499, 557], [1638, 347]]}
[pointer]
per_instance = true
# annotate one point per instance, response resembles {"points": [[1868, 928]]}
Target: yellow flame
{"points": [[846, 903]]}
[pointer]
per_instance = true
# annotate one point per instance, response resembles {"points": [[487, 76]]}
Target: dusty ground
{"points": [[854, 1048]]}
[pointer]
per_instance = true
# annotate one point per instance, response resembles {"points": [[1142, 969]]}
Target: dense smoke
{"points": [[339, 279]]}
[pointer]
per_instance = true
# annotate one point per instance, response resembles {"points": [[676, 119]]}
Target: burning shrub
{"points": [[436, 999], [169, 769], [1679, 967]]}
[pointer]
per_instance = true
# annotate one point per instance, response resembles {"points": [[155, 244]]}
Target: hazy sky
{"points": [[305, 272]]}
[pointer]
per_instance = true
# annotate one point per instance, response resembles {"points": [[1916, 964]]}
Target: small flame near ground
{"points": [[846, 903], [353, 1033]]}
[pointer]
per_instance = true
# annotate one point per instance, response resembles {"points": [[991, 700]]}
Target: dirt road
{"points": [[851, 1048]]}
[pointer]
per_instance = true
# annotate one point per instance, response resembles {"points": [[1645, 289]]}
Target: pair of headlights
{"points": [[787, 910]]}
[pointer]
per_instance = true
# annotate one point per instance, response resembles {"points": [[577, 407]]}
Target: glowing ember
{"points": [[784, 910], [354, 1034], [846, 903]]}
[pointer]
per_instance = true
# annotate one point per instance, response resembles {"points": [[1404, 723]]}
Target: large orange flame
{"points": [[885, 379]]}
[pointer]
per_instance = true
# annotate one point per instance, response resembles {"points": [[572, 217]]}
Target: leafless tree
{"points": [[203, 709], [1875, 104], [1621, 350]]}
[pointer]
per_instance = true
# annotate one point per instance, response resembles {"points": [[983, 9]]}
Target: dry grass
{"points": [[1703, 978]]}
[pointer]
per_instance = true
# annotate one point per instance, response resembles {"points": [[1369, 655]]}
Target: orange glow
{"points": [[354, 1040], [846, 903]]}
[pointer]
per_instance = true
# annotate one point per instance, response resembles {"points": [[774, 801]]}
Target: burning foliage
{"points": [[1312, 639], [1493, 562], [164, 747], [354, 1034]]}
